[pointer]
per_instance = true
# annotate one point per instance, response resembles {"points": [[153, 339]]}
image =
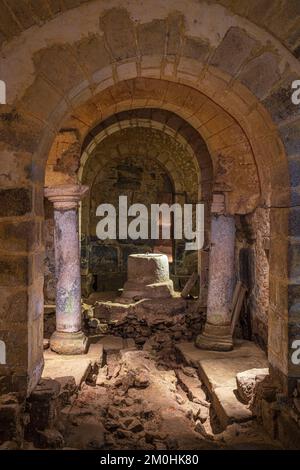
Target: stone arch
{"points": [[169, 164], [99, 133], [193, 118], [230, 139], [150, 149], [187, 138], [119, 78]]}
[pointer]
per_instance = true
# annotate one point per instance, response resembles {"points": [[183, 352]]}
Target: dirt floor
{"points": [[144, 396], [146, 399]]}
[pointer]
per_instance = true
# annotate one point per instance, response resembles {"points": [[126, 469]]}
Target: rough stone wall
{"points": [[49, 278], [252, 268], [64, 159], [142, 181], [259, 298], [279, 15]]}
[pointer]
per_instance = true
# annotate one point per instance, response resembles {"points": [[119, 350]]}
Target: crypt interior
{"points": [[142, 344]]}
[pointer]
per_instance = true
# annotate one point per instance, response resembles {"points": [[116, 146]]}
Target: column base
{"points": [[69, 343], [215, 338]]}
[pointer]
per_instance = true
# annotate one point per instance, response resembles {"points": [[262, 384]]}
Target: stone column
{"points": [[68, 337], [216, 335]]}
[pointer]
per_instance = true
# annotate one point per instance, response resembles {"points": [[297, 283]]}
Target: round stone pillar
{"points": [[216, 335], [68, 337]]}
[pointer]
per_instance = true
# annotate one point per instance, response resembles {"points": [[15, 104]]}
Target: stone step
{"points": [[218, 370], [192, 386], [58, 366], [112, 343], [228, 408]]}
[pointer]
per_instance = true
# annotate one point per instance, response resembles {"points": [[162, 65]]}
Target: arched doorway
{"points": [[225, 105]]}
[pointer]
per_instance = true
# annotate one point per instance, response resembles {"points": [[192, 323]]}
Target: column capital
{"points": [[218, 203], [66, 196]]}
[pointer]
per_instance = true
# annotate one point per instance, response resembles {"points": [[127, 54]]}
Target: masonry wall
{"points": [[252, 268], [142, 181]]}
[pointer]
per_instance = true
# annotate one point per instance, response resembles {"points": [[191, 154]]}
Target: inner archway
{"points": [[225, 158], [135, 141]]}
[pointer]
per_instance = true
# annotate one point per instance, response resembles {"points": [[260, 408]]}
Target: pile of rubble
{"points": [[279, 414], [136, 399], [173, 319], [144, 403], [141, 395], [145, 406]]}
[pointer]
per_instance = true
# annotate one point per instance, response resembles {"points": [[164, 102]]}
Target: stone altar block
{"points": [[148, 277]]}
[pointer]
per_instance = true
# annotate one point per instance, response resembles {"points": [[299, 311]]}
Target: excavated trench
{"points": [[142, 394], [147, 399], [146, 402]]}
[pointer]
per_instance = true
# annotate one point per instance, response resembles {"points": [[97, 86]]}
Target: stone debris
{"points": [[102, 376], [247, 381], [43, 407], [50, 439], [173, 319], [140, 399], [10, 418], [141, 380], [9, 445], [193, 387], [204, 430], [85, 432], [135, 426]]}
